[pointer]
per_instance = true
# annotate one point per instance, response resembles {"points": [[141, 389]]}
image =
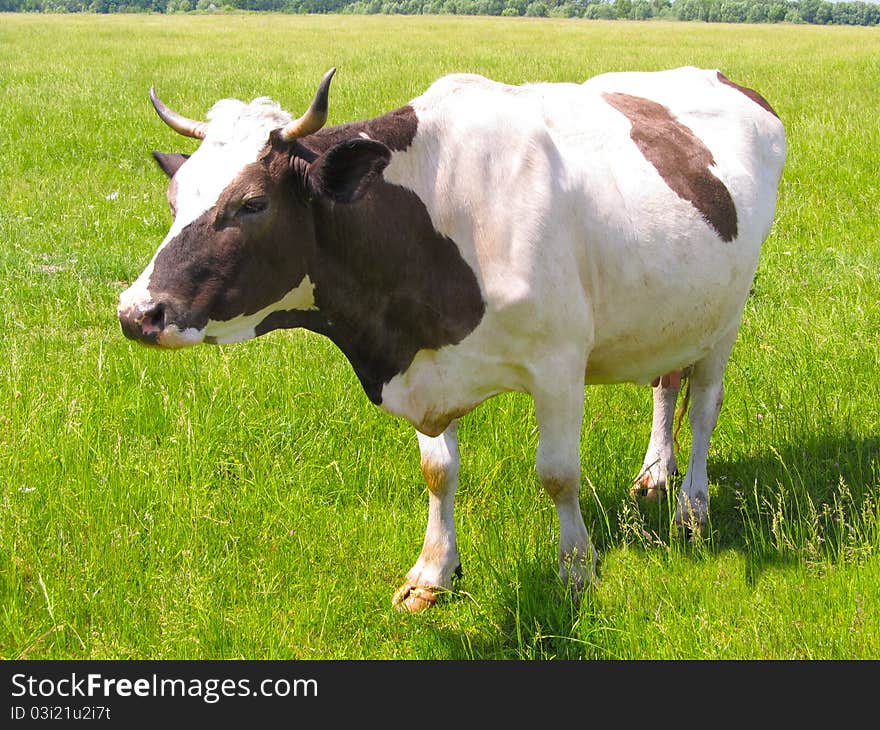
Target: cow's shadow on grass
{"points": [[820, 486], [801, 501]]}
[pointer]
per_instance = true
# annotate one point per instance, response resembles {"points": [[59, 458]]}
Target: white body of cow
{"points": [[578, 243], [592, 268]]}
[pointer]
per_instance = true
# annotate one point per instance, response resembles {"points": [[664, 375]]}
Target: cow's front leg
{"points": [[559, 413], [439, 559], [659, 463]]}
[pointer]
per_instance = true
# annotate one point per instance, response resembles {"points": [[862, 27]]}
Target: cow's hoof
{"points": [[691, 517], [413, 598], [645, 486], [692, 531]]}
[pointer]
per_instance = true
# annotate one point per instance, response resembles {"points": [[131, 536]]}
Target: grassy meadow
{"points": [[247, 501]]}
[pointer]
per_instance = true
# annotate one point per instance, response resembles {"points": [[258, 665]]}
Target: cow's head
{"points": [[243, 241]]}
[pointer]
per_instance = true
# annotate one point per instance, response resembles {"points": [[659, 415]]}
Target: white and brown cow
{"points": [[484, 238]]}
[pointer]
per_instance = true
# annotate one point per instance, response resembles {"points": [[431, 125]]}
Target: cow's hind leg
{"points": [[659, 463], [439, 559], [559, 413], [707, 393]]}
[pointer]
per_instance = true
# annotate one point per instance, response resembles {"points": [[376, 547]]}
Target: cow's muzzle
{"points": [[143, 324], [154, 324]]}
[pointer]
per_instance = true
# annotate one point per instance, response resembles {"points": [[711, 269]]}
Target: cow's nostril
{"points": [[153, 320]]}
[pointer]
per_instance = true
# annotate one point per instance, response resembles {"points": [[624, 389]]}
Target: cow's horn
{"points": [[180, 124], [315, 116]]}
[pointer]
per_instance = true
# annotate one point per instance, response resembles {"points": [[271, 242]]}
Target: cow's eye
{"points": [[256, 204]]}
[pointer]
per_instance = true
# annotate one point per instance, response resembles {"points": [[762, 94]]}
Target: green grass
{"points": [[248, 501]]}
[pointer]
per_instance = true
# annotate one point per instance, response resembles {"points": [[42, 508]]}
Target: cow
{"points": [[484, 238]]}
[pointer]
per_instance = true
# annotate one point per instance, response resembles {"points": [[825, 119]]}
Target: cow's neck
{"points": [[389, 285], [386, 283]]}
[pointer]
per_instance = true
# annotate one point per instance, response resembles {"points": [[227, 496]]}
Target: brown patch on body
{"points": [[751, 93], [682, 160]]}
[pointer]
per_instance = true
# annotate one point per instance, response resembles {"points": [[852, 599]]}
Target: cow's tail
{"points": [[682, 407]]}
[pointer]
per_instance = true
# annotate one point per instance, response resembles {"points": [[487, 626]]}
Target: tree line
{"points": [[820, 12]]}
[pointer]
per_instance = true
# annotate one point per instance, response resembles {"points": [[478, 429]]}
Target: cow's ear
{"points": [[345, 171], [170, 162]]}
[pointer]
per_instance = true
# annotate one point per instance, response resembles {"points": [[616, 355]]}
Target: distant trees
{"points": [[821, 12]]}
